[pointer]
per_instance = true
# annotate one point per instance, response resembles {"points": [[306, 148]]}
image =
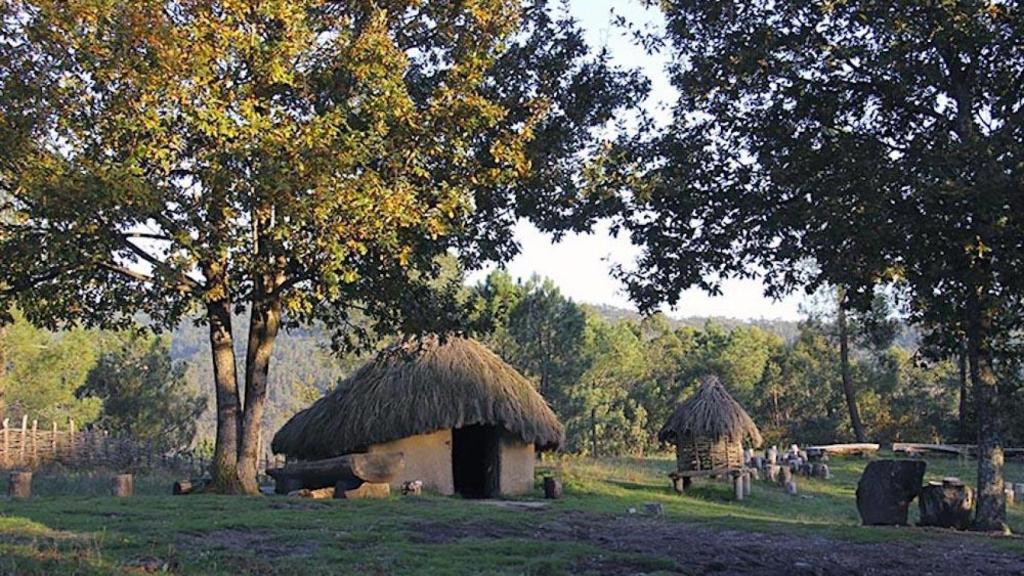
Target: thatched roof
{"points": [[419, 388], [710, 413]]}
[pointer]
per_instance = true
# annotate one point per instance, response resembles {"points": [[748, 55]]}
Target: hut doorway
{"points": [[475, 460]]}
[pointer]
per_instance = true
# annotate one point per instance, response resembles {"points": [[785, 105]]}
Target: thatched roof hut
{"points": [[436, 401], [709, 429]]}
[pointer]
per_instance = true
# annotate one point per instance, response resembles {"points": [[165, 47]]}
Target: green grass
{"points": [[71, 526]]}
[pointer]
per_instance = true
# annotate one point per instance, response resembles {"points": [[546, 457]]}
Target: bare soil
{"points": [[691, 549]]}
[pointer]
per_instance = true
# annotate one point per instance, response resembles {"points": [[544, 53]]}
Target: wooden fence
{"points": [[25, 445]]}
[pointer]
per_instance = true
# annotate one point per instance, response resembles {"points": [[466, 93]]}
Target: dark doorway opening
{"points": [[475, 461]]}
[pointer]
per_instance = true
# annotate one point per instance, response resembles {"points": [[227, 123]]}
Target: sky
{"points": [[581, 264]]}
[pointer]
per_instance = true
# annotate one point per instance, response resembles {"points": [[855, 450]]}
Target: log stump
{"points": [[784, 476], [552, 488], [122, 486], [19, 485], [886, 489], [946, 505]]}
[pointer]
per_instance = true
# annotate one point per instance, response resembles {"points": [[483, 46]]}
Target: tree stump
{"points": [[785, 476], [552, 488], [19, 485], [946, 505], [746, 483], [791, 487], [737, 485], [886, 489], [122, 485]]}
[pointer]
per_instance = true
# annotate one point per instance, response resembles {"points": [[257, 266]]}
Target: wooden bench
{"points": [[682, 479]]}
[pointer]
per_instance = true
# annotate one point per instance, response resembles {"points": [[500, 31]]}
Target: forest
{"points": [[612, 375], [281, 188]]}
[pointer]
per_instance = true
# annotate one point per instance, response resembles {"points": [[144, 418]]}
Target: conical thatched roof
{"points": [[420, 388], [710, 413]]}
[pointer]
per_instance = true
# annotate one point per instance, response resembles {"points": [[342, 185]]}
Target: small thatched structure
{"points": [[466, 421], [709, 430]]}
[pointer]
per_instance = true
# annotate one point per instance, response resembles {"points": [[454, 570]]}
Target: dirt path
{"points": [[696, 550]]}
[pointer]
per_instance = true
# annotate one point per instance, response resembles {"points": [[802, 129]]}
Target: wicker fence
{"points": [[24, 445]]}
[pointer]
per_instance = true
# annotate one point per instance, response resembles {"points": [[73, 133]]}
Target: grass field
{"points": [[70, 526]]}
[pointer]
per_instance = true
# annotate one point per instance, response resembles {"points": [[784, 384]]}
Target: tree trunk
{"points": [[991, 510], [225, 454], [844, 361], [962, 361], [264, 324]]}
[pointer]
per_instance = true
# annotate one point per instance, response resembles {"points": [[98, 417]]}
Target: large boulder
{"points": [[886, 490], [946, 505]]}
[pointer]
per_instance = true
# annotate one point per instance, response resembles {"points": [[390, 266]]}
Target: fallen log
{"points": [[194, 485], [914, 448], [375, 468], [843, 449], [318, 494], [367, 490]]}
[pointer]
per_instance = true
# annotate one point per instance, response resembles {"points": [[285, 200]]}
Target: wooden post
{"points": [[746, 484], [6, 444], [552, 488], [71, 440], [53, 441], [24, 439], [122, 486], [737, 484], [19, 485], [35, 442]]}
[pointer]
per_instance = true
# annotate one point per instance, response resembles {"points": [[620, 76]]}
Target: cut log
{"points": [[183, 487], [946, 505], [374, 468], [844, 449], [785, 476], [367, 490], [19, 485], [122, 485], [886, 489], [317, 494], [552, 488]]}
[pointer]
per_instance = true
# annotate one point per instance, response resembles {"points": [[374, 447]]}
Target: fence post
{"points": [[71, 441], [53, 441], [6, 443], [24, 439], [35, 442]]}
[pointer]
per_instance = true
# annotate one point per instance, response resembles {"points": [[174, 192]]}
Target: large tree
{"points": [[845, 143], [303, 160]]}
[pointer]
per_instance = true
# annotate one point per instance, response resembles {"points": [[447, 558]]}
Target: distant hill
{"points": [[786, 329]]}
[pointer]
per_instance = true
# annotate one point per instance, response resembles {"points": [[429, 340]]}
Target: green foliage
{"points": [[42, 372], [145, 396]]}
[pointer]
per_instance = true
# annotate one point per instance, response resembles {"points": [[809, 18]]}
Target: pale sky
{"points": [[580, 264]]}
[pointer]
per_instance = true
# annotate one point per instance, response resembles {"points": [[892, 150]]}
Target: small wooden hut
{"points": [[709, 430], [465, 421]]}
